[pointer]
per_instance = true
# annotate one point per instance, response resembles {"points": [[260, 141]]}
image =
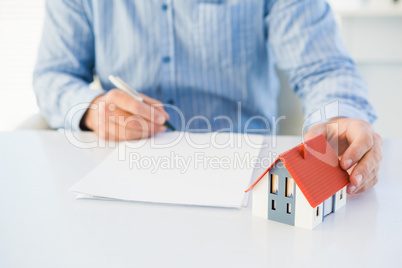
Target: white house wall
{"points": [[260, 198], [305, 215], [340, 202], [317, 219]]}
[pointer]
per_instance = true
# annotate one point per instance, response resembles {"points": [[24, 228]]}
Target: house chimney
{"points": [[303, 151]]}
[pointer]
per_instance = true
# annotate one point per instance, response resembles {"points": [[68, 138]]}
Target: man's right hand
{"points": [[117, 116]]}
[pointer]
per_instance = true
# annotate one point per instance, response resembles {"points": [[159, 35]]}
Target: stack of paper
{"points": [[178, 168]]}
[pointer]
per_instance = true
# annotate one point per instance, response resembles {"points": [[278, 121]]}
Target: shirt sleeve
{"points": [[307, 45], [65, 64]]}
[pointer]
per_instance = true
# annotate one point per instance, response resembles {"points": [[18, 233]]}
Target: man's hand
{"points": [[359, 148], [117, 116]]}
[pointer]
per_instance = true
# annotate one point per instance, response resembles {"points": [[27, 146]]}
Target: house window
{"points": [[317, 212], [289, 208], [273, 205], [340, 195], [289, 187], [274, 184]]}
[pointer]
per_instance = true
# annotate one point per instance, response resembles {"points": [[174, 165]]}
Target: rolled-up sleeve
{"points": [[65, 64], [307, 46]]}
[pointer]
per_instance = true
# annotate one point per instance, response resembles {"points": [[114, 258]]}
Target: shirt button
{"points": [[171, 102], [166, 59], [164, 7]]}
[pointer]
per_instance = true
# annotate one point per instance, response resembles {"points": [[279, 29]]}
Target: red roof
{"points": [[318, 174]]}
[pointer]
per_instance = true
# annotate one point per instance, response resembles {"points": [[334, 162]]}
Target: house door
{"points": [[329, 206]]}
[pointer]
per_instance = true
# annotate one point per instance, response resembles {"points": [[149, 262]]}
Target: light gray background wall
{"points": [[374, 39]]}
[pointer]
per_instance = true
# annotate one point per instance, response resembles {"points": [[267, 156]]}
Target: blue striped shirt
{"points": [[214, 60]]}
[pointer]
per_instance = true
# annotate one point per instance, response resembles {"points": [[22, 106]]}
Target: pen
{"points": [[120, 84]]}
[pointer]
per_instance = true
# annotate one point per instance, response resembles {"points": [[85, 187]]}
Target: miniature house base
{"points": [[294, 210]]}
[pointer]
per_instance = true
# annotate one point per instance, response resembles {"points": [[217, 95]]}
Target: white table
{"points": [[43, 225]]}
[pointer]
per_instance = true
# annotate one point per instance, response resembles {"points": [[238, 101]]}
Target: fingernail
{"points": [[352, 188], [348, 163], [358, 179], [160, 119]]}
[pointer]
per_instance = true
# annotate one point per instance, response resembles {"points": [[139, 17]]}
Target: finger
{"points": [[101, 126], [135, 125], [332, 131], [316, 130], [126, 134], [361, 140], [129, 120], [367, 186], [120, 132], [326, 129], [368, 183], [117, 124], [366, 169], [125, 102], [155, 103], [106, 129]]}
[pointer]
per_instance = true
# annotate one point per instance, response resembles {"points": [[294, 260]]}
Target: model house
{"points": [[302, 186]]}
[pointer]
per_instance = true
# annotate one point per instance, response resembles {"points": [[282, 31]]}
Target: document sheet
{"points": [[204, 169]]}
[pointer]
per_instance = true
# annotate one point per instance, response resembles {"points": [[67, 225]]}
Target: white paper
{"points": [[210, 169]]}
